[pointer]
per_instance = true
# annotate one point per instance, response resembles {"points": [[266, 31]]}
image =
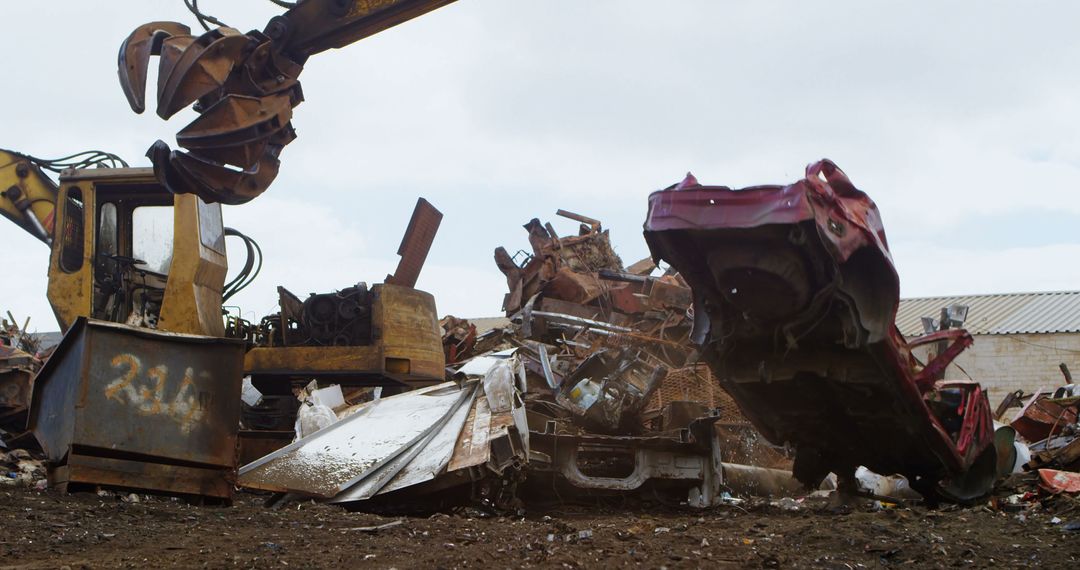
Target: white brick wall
{"points": [[1003, 363]]}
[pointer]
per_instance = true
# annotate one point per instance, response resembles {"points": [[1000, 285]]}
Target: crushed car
{"points": [[794, 301]]}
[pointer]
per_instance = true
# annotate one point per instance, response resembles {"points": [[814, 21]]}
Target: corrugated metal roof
{"points": [[1005, 313]]}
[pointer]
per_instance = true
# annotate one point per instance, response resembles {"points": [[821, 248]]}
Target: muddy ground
{"points": [[48, 530]]}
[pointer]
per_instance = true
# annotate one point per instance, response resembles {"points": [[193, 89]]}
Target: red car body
{"points": [[795, 299]]}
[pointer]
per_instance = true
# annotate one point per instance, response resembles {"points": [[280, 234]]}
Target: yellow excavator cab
{"points": [[126, 250]]}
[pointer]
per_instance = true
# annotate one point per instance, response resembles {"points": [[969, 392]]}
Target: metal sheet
{"points": [[480, 365], [421, 462], [335, 458], [416, 244], [436, 454], [472, 446]]}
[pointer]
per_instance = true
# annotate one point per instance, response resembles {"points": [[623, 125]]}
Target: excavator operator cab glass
{"points": [[71, 240], [108, 231], [152, 237], [211, 228], [129, 251]]}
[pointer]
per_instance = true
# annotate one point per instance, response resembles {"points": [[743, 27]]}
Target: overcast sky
{"points": [[960, 119]]}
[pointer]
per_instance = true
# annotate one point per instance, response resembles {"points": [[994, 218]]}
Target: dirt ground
{"points": [[49, 530]]}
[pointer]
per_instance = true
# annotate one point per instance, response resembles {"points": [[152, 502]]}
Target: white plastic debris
{"points": [[585, 393], [312, 418], [499, 385], [895, 486], [1023, 456], [331, 397], [249, 393]]}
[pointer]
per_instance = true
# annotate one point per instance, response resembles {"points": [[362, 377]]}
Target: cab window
{"points": [[72, 246], [152, 237], [210, 227], [107, 230]]}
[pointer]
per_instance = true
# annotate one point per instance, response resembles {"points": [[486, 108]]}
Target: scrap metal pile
{"points": [[591, 387], [585, 390], [1045, 429], [597, 341], [601, 380], [19, 361]]}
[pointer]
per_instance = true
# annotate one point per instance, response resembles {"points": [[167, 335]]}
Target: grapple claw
{"points": [[236, 129], [192, 68], [244, 87], [221, 184], [244, 90], [134, 58], [183, 173]]}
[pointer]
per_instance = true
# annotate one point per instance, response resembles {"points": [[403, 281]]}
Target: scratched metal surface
{"points": [[143, 392], [435, 456], [473, 447], [378, 479], [326, 462]]}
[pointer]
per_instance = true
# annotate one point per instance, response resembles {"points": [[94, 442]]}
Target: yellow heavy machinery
{"points": [[143, 392], [386, 336], [124, 249], [136, 280]]}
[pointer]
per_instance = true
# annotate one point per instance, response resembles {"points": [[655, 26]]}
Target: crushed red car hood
{"points": [[795, 298]]}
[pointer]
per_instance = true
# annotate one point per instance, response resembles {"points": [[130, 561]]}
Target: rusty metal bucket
{"points": [[133, 408]]}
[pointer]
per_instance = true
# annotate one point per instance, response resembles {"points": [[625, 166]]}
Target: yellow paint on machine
{"points": [[407, 347]]}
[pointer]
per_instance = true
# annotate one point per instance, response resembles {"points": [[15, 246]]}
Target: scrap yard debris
{"points": [[571, 394], [795, 300], [743, 397], [587, 390], [601, 385], [21, 357]]}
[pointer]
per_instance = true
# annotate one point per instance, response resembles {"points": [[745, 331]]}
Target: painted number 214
{"points": [[147, 394]]}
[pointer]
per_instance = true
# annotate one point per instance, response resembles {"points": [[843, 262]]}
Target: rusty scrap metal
{"points": [[1043, 416], [594, 225], [19, 362], [416, 243], [686, 461], [610, 388], [132, 408], [565, 265], [17, 370], [459, 338]]}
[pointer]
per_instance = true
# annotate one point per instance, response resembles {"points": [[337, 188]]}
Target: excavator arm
{"points": [[244, 86], [318, 25], [27, 195]]}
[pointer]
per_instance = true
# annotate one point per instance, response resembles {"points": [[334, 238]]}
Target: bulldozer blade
{"points": [[192, 70], [134, 58], [236, 129]]}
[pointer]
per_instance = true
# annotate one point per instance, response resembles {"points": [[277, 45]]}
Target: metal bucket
{"points": [[134, 408]]}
